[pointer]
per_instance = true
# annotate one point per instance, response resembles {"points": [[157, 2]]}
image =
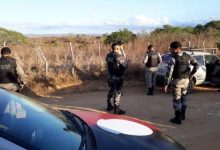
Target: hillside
{"points": [[11, 37]]}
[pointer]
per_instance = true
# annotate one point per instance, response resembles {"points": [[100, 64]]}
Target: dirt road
{"points": [[200, 130]]}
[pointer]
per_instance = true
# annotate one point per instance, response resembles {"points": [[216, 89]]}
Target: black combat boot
{"points": [[177, 119], [118, 111], [109, 106], [149, 91], [183, 111]]}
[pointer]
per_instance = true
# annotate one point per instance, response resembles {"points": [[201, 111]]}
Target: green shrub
{"points": [[11, 37], [122, 35]]}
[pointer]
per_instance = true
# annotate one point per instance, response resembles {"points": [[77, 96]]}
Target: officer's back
{"points": [[11, 73], [7, 70]]}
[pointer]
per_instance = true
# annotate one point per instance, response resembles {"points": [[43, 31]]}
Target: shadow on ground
{"points": [[29, 92]]}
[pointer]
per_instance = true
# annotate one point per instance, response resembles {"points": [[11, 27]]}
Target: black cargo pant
{"points": [[115, 85]]}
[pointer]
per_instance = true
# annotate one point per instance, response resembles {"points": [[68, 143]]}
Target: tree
{"points": [[171, 29], [213, 25], [199, 28], [122, 35]]}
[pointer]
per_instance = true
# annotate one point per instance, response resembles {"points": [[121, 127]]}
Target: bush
{"points": [[122, 35], [11, 37], [171, 29]]}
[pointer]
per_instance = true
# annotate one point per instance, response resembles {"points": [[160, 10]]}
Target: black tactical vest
{"points": [[8, 70], [181, 67], [153, 59], [110, 63], [119, 70]]}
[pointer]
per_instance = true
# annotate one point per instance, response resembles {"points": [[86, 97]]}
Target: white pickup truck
{"points": [[206, 61]]}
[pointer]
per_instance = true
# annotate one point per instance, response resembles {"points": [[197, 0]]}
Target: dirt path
{"points": [[200, 131]]}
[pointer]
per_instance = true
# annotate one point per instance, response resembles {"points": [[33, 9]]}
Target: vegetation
{"points": [[11, 37], [212, 28], [122, 35], [171, 29], [214, 25], [86, 60]]}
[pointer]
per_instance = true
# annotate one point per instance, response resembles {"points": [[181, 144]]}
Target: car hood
{"points": [[120, 132]]}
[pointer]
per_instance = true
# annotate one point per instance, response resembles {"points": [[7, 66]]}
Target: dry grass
{"points": [[89, 61]]}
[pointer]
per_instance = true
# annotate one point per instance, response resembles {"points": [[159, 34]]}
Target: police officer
{"points": [[122, 52], [117, 65], [216, 74], [180, 74], [12, 76], [151, 61]]}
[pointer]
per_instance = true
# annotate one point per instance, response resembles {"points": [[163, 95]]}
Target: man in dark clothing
{"points": [[151, 61], [180, 74], [12, 76], [117, 65], [216, 74]]}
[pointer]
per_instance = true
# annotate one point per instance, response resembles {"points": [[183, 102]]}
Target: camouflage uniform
{"points": [[179, 73], [117, 65], [12, 76]]}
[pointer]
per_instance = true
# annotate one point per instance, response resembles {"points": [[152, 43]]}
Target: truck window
{"points": [[211, 58]]}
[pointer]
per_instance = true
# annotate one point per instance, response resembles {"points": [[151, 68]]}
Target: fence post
{"points": [[72, 56], [45, 60], [203, 44], [189, 44], [100, 58]]}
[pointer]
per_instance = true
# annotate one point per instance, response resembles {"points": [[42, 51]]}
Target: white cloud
{"points": [[136, 24], [142, 20]]}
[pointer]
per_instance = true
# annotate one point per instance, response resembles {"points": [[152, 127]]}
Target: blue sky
{"points": [[102, 16]]}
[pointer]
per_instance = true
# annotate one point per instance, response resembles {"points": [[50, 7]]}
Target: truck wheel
{"points": [[190, 86]]}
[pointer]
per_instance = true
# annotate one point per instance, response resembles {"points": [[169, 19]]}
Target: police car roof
{"points": [[197, 53]]}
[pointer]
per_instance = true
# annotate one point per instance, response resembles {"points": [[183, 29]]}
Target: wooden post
{"points": [[45, 60], [100, 58], [203, 43], [4, 44], [72, 56], [189, 44]]}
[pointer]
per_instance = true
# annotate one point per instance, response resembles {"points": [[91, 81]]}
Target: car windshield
{"points": [[32, 126]]}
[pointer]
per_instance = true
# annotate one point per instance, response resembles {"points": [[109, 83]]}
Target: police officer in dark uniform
{"points": [[151, 61], [180, 74], [12, 76], [117, 65]]}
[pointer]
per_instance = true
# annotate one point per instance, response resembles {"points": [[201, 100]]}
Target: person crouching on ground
{"points": [[12, 76]]}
